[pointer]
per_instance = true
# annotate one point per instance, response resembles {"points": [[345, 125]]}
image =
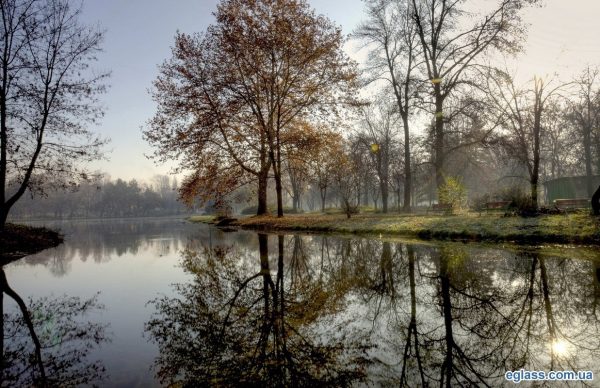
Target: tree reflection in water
{"points": [[329, 311], [472, 315], [237, 324], [46, 343]]}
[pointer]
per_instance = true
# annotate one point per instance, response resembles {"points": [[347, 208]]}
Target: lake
{"points": [[152, 302]]}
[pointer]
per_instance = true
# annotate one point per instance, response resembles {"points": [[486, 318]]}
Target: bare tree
{"points": [[48, 96], [451, 38], [522, 111], [378, 135], [585, 114], [391, 34]]}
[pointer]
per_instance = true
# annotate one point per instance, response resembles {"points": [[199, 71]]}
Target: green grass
{"points": [[571, 228]]}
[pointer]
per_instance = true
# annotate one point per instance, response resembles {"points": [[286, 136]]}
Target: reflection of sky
{"points": [[131, 262], [128, 261], [128, 276], [563, 38]]}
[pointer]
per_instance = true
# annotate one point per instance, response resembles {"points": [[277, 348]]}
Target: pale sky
{"points": [[563, 38]]}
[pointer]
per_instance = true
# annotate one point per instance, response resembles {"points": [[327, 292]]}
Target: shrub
{"points": [[520, 201], [453, 192]]}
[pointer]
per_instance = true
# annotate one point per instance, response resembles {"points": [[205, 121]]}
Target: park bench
{"points": [[496, 205], [440, 208], [569, 204]]}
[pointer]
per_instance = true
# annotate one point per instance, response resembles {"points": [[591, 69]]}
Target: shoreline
{"points": [[574, 228], [17, 241]]}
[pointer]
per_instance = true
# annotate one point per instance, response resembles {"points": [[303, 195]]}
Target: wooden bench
{"points": [[440, 207], [566, 204], [497, 205]]}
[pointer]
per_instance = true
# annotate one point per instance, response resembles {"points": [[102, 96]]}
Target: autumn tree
{"points": [[452, 36], [204, 126], [301, 147], [391, 36], [229, 94], [345, 179], [48, 97], [322, 165]]}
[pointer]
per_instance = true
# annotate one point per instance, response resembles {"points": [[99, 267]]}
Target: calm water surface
{"points": [[160, 302]]}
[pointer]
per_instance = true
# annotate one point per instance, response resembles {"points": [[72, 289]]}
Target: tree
{"points": [[450, 42], [301, 146], [393, 57], [523, 114], [596, 202], [202, 124], [345, 179], [261, 66], [379, 121], [322, 165], [585, 114], [47, 96]]}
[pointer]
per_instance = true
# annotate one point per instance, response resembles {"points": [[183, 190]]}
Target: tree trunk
{"points": [[262, 193], [444, 277], [1, 332], [534, 194], [596, 202], [407, 168], [323, 196], [279, 191], [597, 146], [537, 129], [296, 198], [587, 145], [3, 216], [384, 196], [439, 137]]}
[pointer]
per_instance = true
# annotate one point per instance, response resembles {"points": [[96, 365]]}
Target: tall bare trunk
{"points": [[438, 140], [587, 146], [407, 167]]}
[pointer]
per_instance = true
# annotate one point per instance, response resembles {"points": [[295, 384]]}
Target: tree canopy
{"points": [[48, 96], [227, 96]]}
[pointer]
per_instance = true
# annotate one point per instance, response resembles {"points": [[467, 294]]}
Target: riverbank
{"points": [[17, 241], [574, 228]]}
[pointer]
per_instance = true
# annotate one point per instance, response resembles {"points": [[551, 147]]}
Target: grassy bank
{"points": [[578, 228], [17, 241]]}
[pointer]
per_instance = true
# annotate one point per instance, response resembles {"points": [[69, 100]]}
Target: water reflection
{"points": [[46, 343], [256, 325], [308, 310], [101, 241]]}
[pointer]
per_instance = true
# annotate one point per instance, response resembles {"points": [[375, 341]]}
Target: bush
{"points": [[519, 198], [453, 192], [520, 201]]}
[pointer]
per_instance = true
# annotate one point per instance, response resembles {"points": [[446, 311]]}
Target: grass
{"points": [[17, 241], [575, 228], [202, 219]]}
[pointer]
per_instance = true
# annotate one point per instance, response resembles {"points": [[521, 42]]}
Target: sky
{"points": [[563, 37]]}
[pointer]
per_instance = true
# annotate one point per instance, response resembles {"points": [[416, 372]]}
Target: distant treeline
{"points": [[105, 199]]}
